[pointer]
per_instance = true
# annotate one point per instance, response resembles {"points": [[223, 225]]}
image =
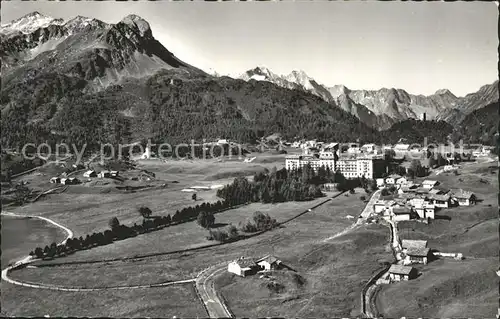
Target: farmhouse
{"points": [[69, 181], [464, 198], [243, 267], [400, 272], [417, 255], [401, 213], [392, 179], [104, 174], [329, 186], [269, 262], [442, 201], [90, 173], [428, 184], [55, 180]]}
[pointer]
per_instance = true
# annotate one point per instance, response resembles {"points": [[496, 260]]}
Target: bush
{"points": [[113, 223], [232, 232], [218, 235], [206, 220], [362, 198], [145, 211]]}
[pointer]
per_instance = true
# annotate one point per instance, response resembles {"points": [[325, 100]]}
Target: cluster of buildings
{"points": [[353, 162], [417, 201], [101, 174], [248, 266]]}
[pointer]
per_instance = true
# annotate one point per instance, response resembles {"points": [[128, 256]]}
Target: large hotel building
{"points": [[351, 165]]}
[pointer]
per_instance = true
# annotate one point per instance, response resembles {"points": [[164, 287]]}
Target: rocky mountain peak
{"points": [[138, 23]]}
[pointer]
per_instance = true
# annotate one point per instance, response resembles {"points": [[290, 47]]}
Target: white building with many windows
{"points": [[351, 167]]}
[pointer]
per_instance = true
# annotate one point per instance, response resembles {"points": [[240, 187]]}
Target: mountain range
{"points": [[85, 81], [382, 108]]}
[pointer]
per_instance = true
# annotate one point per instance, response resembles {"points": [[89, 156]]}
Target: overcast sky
{"points": [[418, 46]]}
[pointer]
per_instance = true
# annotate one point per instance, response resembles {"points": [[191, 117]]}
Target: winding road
{"points": [[204, 284]]}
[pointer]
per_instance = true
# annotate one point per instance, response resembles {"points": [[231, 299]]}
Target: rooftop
{"points": [[400, 269], [400, 210], [460, 193], [269, 258], [442, 198], [418, 251], [407, 243], [429, 182], [245, 262]]}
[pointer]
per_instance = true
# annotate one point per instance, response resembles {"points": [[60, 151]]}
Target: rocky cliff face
{"points": [[464, 106], [84, 47], [382, 108]]}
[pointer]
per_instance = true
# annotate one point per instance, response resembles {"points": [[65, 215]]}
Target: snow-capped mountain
{"points": [[29, 23], [85, 47]]}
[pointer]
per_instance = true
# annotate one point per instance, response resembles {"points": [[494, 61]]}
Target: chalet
{"points": [[442, 201], [408, 189], [55, 180], [381, 206], [428, 184], [104, 174], [392, 179], [368, 148], [243, 267], [401, 213], [380, 182], [416, 255], [402, 181], [269, 263], [401, 147], [69, 181], [90, 173], [464, 198], [413, 243], [400, 273], [440, 190], [114, 173], [425, 210]]}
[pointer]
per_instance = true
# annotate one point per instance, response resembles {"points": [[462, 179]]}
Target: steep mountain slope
{"points": [[115, 83], [379, 109], [480, 126], [87, 48], [486, 95]]}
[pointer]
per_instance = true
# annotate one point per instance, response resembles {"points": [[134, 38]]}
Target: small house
{"points": [[413, 243], [104, 174], [448, 168], [422, 191], [243, 267], [401, 181], [380, 182], [269, 263], [400, 273], [55, 180], [368, 148], [425, 210], [69, 181], [90, 173], [442, 201], [464, 198], [416, 255], [392, 179], [401, 213], [113, 173], [428, 184]]}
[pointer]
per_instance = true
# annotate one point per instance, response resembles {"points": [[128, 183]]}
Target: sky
{"points": [[417, 46]]}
